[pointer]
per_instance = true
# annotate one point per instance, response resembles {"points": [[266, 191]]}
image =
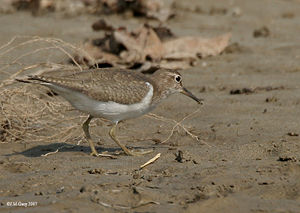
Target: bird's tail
{"points": [[23, 80], [31, 79]]}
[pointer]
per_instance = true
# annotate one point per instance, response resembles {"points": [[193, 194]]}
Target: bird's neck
{"points": [[159, 95], [160, 90]]}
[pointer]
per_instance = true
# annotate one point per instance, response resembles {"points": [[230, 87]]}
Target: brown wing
{"points": [[121, 86]]}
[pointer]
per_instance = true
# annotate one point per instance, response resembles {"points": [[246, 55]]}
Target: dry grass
{"points": [[27, 112]]}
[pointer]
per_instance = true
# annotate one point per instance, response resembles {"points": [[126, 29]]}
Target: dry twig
{"points": [[150, 161], [161, 118]]}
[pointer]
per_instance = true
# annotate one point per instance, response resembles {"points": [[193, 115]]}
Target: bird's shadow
{"points": [[42, 150]]}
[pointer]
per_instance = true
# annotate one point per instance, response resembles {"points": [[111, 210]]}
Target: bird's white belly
{"points": [[117, 112], [109, 110]]}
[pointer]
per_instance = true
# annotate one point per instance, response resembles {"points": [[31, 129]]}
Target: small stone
{"points": [[82, 189], [96, 171], [195, 162], [149, 179], [241, 91], [237, 12], [271, 99], [38, 193], [60, 190], [286, 158], [179, 156], [136, 176], [292, 134], [261, 32]]}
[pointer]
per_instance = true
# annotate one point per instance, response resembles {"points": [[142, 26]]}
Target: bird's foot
{"points": [[96, 154]]}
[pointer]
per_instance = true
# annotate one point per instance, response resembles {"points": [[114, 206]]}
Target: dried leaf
{"points": [[151, 46], [92, 54], [191, 47], [143, 43]]}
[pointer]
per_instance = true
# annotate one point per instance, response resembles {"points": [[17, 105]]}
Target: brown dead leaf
{"points": [[141, 44], [148, 47], [91, 55], [192, 47]]}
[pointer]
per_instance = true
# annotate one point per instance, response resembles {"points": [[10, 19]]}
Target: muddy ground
{"points": [[248, 158]]}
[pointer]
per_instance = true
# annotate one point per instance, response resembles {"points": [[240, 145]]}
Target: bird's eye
{"points": [[178, 78]]}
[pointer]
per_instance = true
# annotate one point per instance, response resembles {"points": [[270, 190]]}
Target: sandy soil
{"points": [[249, 157]]}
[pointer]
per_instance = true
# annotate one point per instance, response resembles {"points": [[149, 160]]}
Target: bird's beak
{"points": [[189, 94]]}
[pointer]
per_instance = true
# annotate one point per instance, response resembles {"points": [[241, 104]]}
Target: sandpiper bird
{"points": [[114, 94]]}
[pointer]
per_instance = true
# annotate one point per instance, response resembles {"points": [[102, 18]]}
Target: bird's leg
{"points": [[85, 127], [125, 149]]}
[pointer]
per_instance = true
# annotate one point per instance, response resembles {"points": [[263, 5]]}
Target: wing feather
{"points": [[120, 86]]}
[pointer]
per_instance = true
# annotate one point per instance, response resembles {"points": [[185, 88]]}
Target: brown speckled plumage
{"points": [[120, 86]]}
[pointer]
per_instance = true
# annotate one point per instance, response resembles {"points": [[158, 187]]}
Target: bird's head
{"points": [[170, 82]]}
